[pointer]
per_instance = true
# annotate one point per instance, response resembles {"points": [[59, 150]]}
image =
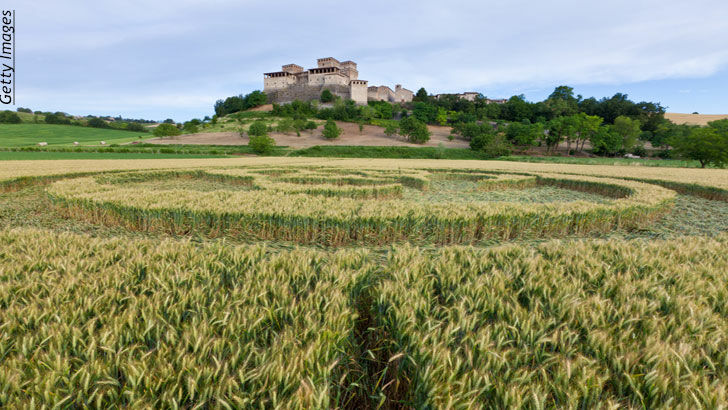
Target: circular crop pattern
{"points": [[332, 206]]}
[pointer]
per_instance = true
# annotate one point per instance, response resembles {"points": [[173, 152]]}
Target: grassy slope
{"points": [[17, 135]]}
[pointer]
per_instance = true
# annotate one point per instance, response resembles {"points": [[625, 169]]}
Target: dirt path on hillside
{"points": [[370, 136]]}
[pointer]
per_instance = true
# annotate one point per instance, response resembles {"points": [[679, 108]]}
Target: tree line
{"points": [[61, 118]]}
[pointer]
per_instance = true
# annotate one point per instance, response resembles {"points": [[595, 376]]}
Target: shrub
{"points": [[9, 117], [257, 129], [326, 96], [640, 151], [391, 128], [285, 125], [311, 125], [135, 126], [331, 130], [166, 130], [261, 144]]}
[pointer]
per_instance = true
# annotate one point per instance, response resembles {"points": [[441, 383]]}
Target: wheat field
{"points": [[309, 283]]}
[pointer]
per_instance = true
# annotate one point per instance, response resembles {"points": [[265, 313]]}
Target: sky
{"points": [[173, 59]]}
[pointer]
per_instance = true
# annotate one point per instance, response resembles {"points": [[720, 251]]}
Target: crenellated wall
{"points": [[341, 78], [359, 92]]}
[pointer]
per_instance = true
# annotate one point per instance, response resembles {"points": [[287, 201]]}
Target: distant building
{"points": [[341, 78], [472, 96]]}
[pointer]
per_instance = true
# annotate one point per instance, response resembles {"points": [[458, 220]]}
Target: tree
{"points": [[169, 121], [605, 141], [561, 102], [57, 118], [585, 126], [524, 133], [391, 128], [257, 129], [414, 130], [425, 112], [442, 115], [668, 130], [96, 122], [720, 125], [628, 129], [517, 109], [255, 99], [559, 128], [331, 130], [706, 145], [165, 130], [485, 138], [382, 109], [240, 102], [135, 126], [261, 144], [9, 117], [421, 95], [326, 96]]}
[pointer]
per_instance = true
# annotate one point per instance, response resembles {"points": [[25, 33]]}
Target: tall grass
{"points": [[564, 325], [107, 323], [117, 323]]}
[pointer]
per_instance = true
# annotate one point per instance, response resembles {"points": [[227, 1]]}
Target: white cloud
{"points": [[123, 53]]}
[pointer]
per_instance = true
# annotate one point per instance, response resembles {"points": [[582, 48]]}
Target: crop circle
{"points": [[335, 206]]}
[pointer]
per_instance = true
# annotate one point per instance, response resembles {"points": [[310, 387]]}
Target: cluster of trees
{"points": [[341, 110], [9, 117], [576, 130], [240, 103], [612, 126], [707, 145], [410, 127], [561, 102]]}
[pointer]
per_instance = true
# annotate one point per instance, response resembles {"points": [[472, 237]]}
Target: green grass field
{"points": [[18, 135], [677, 163], [40, 155]]}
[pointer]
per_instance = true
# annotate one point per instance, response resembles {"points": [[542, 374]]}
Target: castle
{"points": [[341, 78]]}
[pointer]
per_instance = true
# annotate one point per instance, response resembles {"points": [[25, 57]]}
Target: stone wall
{"points": [[359, 91], [272, 83], [381, 93], [306, 92], [403, 95]]}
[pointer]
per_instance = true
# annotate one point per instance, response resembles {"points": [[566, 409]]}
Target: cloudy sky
{"points": [[159, 59]]}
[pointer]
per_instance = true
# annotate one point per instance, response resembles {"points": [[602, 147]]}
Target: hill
{"points": [[17, 135], [694, 119]]}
